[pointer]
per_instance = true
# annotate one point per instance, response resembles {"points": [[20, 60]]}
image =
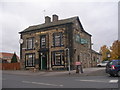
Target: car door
{"points": [[118, 65], [108, 66]]}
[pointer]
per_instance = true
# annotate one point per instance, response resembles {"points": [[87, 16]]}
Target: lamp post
{"points": [[22, 63], [67, 49], [41, 60]]}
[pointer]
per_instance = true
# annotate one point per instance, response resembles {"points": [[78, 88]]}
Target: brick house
{"points": [[46, 46], [6, 57]]}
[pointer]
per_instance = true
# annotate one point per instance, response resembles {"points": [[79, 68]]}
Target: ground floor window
{"points": [[30, 60], [58, 58]]}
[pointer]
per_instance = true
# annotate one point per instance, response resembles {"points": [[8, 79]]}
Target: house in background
{"points": [[96, 58], [6, 57], [51, 45]]}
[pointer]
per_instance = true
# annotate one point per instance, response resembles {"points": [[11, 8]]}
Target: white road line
{"points": [[105, 81], [113, 81], [90, 80], [42, 83]]}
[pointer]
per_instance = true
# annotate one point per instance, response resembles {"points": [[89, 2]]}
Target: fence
{"points": [[9, 66]]}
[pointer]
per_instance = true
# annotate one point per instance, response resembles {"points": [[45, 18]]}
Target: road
{"points": [[67, 81]]}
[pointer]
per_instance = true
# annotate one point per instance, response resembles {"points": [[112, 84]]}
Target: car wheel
{"points": [[112, 75], [118, 73], [99, 65]]}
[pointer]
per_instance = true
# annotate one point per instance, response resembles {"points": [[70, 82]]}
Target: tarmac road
{"points": [[97, 78]]}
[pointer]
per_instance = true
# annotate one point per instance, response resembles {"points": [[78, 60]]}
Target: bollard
{"points": [[77, 69]]}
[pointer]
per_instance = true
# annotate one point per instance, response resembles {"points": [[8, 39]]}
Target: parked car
{"points": [[102, 64], [113, 68]]}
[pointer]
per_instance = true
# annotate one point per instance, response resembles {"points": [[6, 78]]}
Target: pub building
{"points": [[54, 44]]}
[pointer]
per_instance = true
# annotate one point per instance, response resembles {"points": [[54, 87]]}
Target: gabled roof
{"points": [[45, 25], [93, 51], [52, 24], [4, 55]]}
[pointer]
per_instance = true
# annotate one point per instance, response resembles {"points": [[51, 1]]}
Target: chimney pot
{"points": [[47, 19], [55, 17]]}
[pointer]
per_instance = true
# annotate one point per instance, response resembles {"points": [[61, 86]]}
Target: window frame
{"points": [[31, 43], [61, 43], [41, 41], [62, 59], [33, 60]]}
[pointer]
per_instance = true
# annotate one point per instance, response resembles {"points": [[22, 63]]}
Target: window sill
{"points": [[57, 46], [58, 65], [29, 49], [29, 66]]}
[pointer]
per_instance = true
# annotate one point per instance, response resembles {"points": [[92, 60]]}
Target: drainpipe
{"points": [[67, 49]]}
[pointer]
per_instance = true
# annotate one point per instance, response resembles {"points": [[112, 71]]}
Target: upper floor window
{"points": [[30, 43], [43, 41], [58, 39]]}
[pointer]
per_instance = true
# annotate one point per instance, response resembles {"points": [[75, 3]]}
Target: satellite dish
{"points": [[21, 41]]}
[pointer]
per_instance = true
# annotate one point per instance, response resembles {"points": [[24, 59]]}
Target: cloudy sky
{"points": [[98, 17]]}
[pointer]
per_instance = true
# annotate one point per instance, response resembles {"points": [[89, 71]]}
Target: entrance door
{"points": [[43, 61]]}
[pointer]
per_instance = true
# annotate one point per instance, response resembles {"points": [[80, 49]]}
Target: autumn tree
{"points": [[104, 50], [115, 50]]}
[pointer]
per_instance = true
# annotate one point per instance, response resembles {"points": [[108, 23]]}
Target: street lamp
{"points": [[41, 60], [67, 49]]}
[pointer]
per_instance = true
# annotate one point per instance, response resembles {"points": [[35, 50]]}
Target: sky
{"points": [[98, 17]]}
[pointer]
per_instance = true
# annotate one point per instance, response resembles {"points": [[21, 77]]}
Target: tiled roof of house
{"points": [[93, 51], [56, 23], [45, 25], [4, 55]]}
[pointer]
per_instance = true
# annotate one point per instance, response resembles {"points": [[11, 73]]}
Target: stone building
{"points": [[49, 46], [96, 58]]}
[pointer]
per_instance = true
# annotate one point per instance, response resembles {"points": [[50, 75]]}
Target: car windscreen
{"points": [[105, 61], [117, 62]]}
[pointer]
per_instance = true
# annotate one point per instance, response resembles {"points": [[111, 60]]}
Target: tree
{"points": [[14, 58], [104, 51], [115, 50]]}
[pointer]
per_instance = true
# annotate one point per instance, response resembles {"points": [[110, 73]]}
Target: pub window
{"points": [[30, 60], [43, 41], [58, 39], [58, 58], [30, 43]]}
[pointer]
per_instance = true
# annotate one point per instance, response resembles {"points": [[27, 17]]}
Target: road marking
{"points": [[42, 83], [90, 80], [113, 81], [105, 81]]}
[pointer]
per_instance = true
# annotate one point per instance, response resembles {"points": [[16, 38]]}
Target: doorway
{"points": [[43, 61]]}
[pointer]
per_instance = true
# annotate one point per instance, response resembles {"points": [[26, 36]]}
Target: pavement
{"points": [[86, 72]]}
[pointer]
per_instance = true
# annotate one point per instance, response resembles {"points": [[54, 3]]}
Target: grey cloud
{"points": [[99, 19]]}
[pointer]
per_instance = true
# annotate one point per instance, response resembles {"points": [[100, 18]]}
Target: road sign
{"points": [[77, 63]]}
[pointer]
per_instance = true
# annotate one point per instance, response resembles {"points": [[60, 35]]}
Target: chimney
{"points": [[55, 17], [47, 19]]}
